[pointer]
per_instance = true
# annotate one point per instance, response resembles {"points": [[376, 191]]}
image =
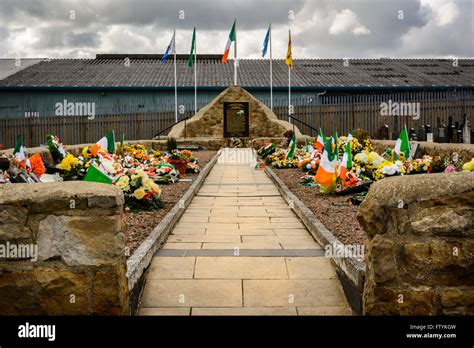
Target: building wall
{"points": [[141, 114], [14, 104]]}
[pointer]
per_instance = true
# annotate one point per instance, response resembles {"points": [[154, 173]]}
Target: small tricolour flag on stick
{"points": [[326, 174], [96, 175], [403, 144], [320, 140], [309, 147], [346, 163], [291, 148], [336, 146], [19, 153], [19, 150], [231, 39], [170, 49], [349, 136], [108, 142]]}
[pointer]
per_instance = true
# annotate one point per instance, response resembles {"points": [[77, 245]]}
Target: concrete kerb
{"points": [[139, 261], [351, 271]]}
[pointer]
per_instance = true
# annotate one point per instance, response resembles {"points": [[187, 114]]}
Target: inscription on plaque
{"points": [[236, 119]]}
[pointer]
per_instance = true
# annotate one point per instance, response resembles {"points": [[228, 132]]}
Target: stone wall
{"points": [[79, 267], [209, 121], [420, 248]]}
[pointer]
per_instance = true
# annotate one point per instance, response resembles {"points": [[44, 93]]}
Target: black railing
{"points": [[174, 124], [303, 123]]}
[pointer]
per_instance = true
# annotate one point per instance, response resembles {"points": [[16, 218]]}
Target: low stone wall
{"points": [[420, 248], [465, 152], [79, 266], [76, 149]]}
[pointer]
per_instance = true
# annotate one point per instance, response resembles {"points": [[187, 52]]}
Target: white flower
{"points": [[361, 157]]}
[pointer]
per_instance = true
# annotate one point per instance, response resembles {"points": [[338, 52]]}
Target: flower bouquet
{"points": [[179, 161], [140, 191], [266, 150], [58, 152]]}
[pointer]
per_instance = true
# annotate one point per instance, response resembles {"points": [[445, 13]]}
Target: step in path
{"points": [[239, 249]]}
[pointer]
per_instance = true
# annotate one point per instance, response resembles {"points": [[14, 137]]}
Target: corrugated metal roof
{"points": [[146, 71], [12, 66]]}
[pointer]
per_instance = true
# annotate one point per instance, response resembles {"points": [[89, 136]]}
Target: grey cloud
{"points": [[144, 25]]}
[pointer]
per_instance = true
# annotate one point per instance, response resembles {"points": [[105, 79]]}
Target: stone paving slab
{"points": [[241, 232], [208, 238], [310, 268], [167, 268], [170, 245], [241, 252], [165, 311], [192, 293], [249, 245], [241, 268], [334, 310], [231, 311], [293, 292]]}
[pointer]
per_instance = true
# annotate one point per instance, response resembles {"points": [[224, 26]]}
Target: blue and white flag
{"points": [[265, 43], [169, 50]]}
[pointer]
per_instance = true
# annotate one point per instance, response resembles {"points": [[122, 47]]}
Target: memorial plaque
{"points": [[236, 119]]}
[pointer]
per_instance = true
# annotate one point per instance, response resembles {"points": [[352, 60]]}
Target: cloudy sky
{"points": [[320, 28]]}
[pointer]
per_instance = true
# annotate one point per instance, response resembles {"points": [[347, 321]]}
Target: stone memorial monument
{"points": [[234, 113]]}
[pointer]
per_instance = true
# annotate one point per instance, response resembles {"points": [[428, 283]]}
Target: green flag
{"points": [[19, 150], [193, 48], [403, 144], [108, 142], [309, 147], [291, 148], [336, 148], [96, 175]]}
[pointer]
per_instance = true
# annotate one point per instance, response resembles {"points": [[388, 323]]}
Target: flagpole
{"points": [[175, 80], [289, 84], [235, 53], [289, 95], [195, 72], [271, 69]]}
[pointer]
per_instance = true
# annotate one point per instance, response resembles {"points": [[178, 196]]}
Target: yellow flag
{"points": [[289, 58]]}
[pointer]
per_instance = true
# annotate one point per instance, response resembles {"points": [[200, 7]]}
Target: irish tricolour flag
{"points": [[229, 43], [291, 148], [346, 163], [108, 142], [326, 174], [320, 140], [403, 144], [19, 153]]}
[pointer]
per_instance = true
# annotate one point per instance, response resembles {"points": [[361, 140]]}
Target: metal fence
{"points": [[343, 113], [340, 113]]}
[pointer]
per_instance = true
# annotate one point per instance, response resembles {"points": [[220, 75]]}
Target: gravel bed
{"points": [[140, 224], [335, 212]]}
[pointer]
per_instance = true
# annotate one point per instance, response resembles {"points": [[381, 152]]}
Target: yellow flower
{"points": [[85, 152], [68, 162], [147, 182], [139, 193], [157, 189]]}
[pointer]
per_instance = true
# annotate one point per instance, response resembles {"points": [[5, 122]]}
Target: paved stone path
{"points": [[239, 250]]}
